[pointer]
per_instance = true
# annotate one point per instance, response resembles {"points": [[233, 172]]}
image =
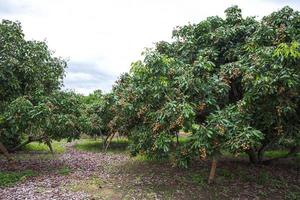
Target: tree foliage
{"points": [[27, 67], [232, 83], [31, 106], [92, 107]]}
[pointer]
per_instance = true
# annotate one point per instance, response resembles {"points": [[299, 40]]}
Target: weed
{"points": [[11, 178], [64, 171], [292, 196], [225, 173], [94, 186], [263, 178], [199, 179]]}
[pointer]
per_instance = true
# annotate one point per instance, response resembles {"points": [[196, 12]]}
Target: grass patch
{"points": [[90, 185], [268, 154], [278, 153], [11, 178], [150, 160], [199, 179], [41, 147], [292, 195], [117, 145], [263, 178], [95, 187], [27, 156], [225, 173], [64, 171]]}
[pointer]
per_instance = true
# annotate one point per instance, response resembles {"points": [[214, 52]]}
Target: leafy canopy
{"points": [[31, 105], [233, 84]]}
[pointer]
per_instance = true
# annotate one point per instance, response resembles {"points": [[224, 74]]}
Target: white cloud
{"points": [[79, 77], [112, 34]]}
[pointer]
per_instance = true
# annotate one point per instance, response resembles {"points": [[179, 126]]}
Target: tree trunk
{"points": [[212, 170], [177, 138], [7, 155], [105, 142], [102, 136], [48, 143], [109, 141], [260, 153], [293, 151], [95, 137], [29, 140], [21, 145], [252, 156]]}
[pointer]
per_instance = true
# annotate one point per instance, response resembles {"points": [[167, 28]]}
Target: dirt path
{"points": [[83, 170]]}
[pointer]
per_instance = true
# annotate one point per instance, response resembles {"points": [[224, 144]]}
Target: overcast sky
{"points": [[101, 38]]}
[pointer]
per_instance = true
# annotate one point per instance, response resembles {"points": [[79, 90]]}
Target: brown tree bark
{"points": [[212, 170], [109, 141], [48, 143], [29, 140], [254, 156], [19, 146]]}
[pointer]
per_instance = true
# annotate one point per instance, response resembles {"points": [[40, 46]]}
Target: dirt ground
{"points": [[77, 174]]}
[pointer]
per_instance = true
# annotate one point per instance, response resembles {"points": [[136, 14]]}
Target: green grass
{"points": [[268, 154], [29, 156], [40, 147], [278, 153], [64, 171], [225, 173], [116, 145], [199, 179], [93, 186], [11, 178], [151, 160], [292, 195]]}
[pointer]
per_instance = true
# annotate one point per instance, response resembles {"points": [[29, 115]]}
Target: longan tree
{"points": [[32, 107], [232, 83]]}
